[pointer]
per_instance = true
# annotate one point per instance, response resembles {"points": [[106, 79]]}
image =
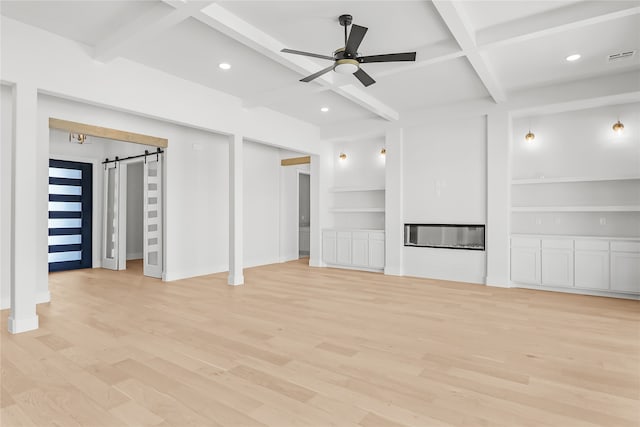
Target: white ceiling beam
{"points": [[564, 19], [232, 26], [156, 20], [461, 29], [427, 55]]}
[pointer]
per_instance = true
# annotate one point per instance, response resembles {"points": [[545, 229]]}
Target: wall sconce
{"points": [[342, 156], [383, 152], [529, 136], [618, 128], [80, 138]]}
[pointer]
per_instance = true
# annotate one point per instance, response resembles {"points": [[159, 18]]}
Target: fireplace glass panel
{"points": [[452, 236]]}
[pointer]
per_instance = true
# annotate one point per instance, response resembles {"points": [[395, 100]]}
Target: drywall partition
{"points": [[6, 135], [444, 182], [135, 210], [261, 180]]}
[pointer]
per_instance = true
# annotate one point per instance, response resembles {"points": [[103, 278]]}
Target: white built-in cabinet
{"points": [[557, 262], [592, 264], [581, 263], [363, 249], [558, 227]]}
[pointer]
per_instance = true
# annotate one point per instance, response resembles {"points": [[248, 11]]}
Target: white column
{"points": [[24, 237], [236, 218], [394, 225], [498, 198]]}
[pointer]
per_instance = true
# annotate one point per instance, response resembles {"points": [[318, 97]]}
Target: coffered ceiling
{"points": [[467, 51]]}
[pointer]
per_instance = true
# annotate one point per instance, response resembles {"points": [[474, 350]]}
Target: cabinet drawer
{"points": [[329, 234], [376, 235], [557, 244], [620, 246], [363, 235], [525, 242], [592, 245], [344, 234]]}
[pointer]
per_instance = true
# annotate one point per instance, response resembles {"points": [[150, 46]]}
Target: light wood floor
{"points": [[317, 347]]}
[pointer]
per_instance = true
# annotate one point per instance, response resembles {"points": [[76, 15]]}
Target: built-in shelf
{"points": [[355, 210], [354, 189], [571, 179], [628, 208]]}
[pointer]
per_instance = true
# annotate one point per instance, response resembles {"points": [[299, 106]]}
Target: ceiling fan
{"points": [[346, 59]]}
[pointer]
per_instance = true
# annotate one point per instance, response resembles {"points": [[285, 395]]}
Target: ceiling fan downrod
{"points": [[345, 21]]}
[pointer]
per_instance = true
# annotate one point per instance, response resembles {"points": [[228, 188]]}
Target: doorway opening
{"points": [[133, 214], [70, 211], [304, 214]]}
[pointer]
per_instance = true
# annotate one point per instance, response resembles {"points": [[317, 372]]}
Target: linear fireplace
{"points": [[450, 236]]}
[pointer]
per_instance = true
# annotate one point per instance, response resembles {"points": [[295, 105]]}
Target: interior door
{"points": [[110, 234], [152, 247]]}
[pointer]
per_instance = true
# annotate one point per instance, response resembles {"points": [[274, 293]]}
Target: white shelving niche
{"points": [[575, 202], [358, 207]]}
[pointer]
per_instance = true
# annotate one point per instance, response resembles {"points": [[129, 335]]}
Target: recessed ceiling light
{"points": [[573, 57], [324, 109], [224, 66]]}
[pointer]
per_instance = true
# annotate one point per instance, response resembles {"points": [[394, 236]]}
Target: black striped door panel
{"points": [[70, 206]]}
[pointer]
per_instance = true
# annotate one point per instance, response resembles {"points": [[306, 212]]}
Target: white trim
{"points": [[137, 255], [179, 275], [17, 326], [578, 291]]}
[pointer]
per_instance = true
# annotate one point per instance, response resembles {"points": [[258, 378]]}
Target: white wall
{"points": [[444, 182], [578, 144], [6, 130], [135, 210], [261, 204]]}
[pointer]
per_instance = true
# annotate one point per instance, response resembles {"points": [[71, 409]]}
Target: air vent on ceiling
{"points": [[620, 56]]}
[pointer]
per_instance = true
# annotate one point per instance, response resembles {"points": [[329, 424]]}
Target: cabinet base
{"points": [[579, 291], [353, 267]]}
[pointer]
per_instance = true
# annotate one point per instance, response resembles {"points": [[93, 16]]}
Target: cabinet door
{"points": [[625, 272], [557, 267], [525, 265], [592, 269], [343, 248], [376, 253], [329, 247], [360, 249]]}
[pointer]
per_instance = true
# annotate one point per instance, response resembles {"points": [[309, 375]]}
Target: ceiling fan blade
{"points": [[314, 55], [364, 78], [355, 38], [390, 57], [316, 75]]}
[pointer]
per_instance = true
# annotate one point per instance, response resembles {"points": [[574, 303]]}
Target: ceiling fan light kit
{"points": [[346, 59]]}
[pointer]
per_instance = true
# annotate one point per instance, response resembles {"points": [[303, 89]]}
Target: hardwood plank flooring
{"points": [[297, 346]]}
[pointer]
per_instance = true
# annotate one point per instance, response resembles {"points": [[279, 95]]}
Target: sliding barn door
{"points": [[153, 216], [111, 223]]}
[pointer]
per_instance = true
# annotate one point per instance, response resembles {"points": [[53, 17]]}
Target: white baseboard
{"points": [[136, 255], [592, 292], [170, 276], [497, 283], [17, 326]]}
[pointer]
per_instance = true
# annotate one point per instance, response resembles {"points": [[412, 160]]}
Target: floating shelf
{"points": [[570, 179], [354, 189], [628, 208], [355, 210]]}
